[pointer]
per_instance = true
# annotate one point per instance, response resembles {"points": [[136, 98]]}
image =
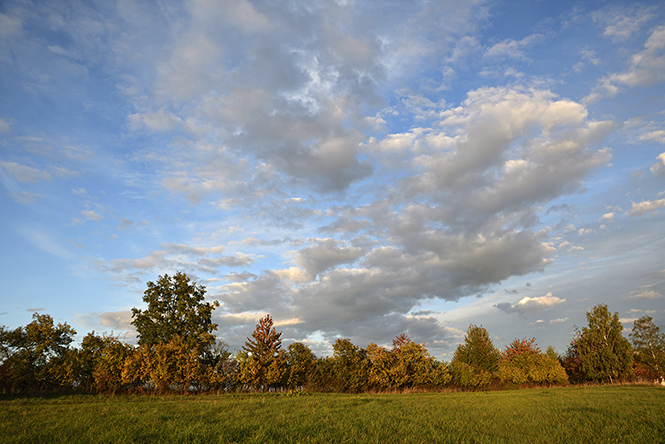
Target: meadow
{"points": [[600, 414]]}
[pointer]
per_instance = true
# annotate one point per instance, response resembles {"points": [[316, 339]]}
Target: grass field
{"points": [[630, 414]]}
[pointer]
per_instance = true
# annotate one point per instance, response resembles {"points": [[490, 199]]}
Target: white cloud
{"points": [[529, 305], [513, 49], [646, 293], [647, 68], [622, 21], [646, 206], [658, 168]]}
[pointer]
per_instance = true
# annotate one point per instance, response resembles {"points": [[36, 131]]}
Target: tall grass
{"points": [[631, 414]]}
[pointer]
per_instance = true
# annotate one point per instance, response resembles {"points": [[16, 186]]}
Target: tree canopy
{"points": [[605, 355], [176, 308], [649, 345]]}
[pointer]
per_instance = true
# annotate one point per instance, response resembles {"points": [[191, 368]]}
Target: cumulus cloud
{"points": [[458, 221], [528, 305]]}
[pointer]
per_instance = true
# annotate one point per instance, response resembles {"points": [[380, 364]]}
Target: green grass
{"points": [[630, 414]]}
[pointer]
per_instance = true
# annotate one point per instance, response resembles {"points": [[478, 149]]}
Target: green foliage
{"points": [[413, 365], [551, 352], [478, 350], [36, 358], [176, 309], [605, 355], [300, 364], [649, 346], [469, 376], [476, 360], [523, 363], [350, 366]]}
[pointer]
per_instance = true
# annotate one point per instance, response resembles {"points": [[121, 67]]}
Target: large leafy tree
{"points": [[413, 366], [351, 366], [177, 310], [261, 361], [605, 355], [36, 357], [649, 346], [301, 365]]}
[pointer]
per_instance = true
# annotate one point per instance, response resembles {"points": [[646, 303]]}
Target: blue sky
{"points": [[355, 169]]}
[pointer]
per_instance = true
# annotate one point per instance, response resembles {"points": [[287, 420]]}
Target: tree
{"points": [[475, 361], [649, 346], [350, 366], [523, 363], [571, 361], [382, 362], [605, 355], [413, 364], [176, 308], [300, 364], [36, 357], [261, 361], [100, 361]]}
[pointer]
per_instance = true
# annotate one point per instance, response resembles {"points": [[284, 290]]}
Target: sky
{"points": [[355, 169]]}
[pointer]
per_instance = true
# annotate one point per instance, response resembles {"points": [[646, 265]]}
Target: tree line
{"points": [[177, 352]]}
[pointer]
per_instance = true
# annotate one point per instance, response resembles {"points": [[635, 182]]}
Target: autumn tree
{"points": [[605, 355], [524, 363], [382, 362], [571, 361], [36, 357], [100, 361], [476, 360], [261, 361], [413, 366], [649, 346]]}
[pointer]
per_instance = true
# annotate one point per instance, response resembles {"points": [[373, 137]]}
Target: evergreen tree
{"points": [[475, 362], [478, 350]]}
